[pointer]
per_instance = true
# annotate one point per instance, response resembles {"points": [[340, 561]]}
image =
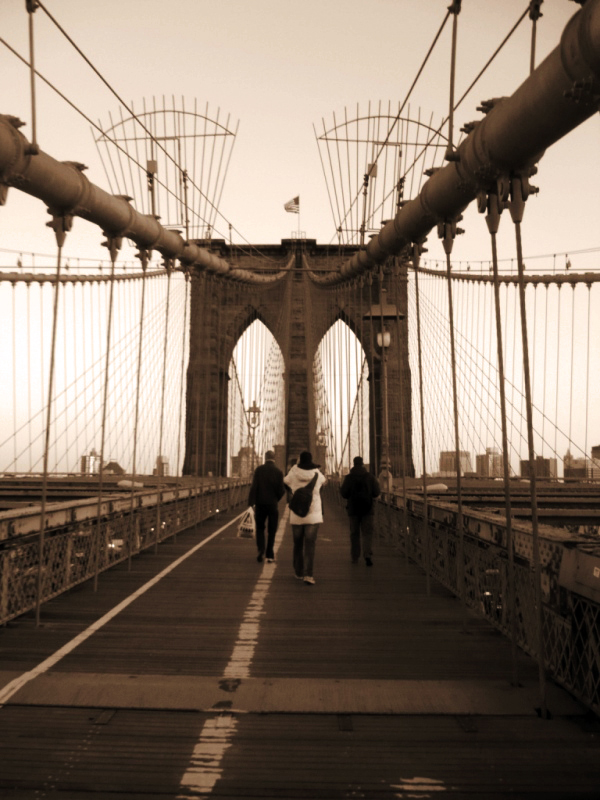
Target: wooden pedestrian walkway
{"points": [[202, 673]]}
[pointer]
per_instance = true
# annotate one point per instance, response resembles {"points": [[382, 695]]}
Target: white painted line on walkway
{"points": [[215, 738], [11, 688], [247, 639], [204, 769]]}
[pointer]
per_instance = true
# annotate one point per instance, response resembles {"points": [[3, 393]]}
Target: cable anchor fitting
{"points": [[447, 231], [144, 256], [487, 105], [535, 10], [168, 263], [113, 243], [61, 224], [520, 190]]}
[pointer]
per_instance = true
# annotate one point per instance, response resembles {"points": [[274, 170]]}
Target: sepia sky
{"points": [[279, 67]]}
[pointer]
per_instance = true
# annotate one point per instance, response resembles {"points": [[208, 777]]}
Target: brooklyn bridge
{"points": [[152, 355]]}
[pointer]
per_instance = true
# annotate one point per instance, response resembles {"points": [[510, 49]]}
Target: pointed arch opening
{"points": [[341, 392], [256, 413]]}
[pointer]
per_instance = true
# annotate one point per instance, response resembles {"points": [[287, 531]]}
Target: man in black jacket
{"points": [[359, 489], [265, 493]]}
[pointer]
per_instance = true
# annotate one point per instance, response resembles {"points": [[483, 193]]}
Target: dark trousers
{"points": [[361, 528], [305, 540], [268, 513]]}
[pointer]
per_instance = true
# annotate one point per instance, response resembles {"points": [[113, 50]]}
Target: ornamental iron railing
{"points": [[79, 543], [570, 582]]}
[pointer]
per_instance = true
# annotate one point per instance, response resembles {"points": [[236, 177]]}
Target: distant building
{"points": [[113, 468], [544, 468], [595, 464], [243, 465], [90, 464], [490, 464], [448, 462], [162, 466], [575, 468]]}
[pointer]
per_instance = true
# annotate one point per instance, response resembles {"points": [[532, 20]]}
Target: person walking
{"points": [[266, 491], [305, 528], [359, 489]]}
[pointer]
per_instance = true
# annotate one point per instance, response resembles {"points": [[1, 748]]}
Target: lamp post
{"points": [[253, 416], [384, 339], [382, 313]]}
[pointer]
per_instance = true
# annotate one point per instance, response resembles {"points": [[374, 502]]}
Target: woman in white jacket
{"points": [[304, 529]]}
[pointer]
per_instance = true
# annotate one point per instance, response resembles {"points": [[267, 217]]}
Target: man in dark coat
{"points": [[359, 489], [265, 493]]}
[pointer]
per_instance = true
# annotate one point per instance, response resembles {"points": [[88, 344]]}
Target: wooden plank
{"points": [[359, 639]]}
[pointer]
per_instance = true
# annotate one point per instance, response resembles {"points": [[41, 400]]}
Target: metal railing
{"points": [[570, 582], [78, 544]]}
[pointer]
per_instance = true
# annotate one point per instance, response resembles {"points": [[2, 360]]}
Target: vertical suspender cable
{"points": [[517, 206], [573, 287], [375, 453], [181, 393], [493, 222], [143, 255], [460, 573], [65, 378], [76, 288], [416, 257], [544, 372], [207, 368], [29, 372], [587, 384], [386, 464], [160, 461], [348, 394], [14, 370], [113, 245], [399, 349], [60, 237], [557, 368]]}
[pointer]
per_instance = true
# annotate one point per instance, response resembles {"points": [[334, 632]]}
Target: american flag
{"points": [[293, 205]]}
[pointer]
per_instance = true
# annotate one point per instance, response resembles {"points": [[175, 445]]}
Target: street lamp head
{"points": [[384, 339], [253, 415]]}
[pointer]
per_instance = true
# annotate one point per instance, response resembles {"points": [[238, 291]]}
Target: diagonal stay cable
{"points": [[125, 105], [404, 102], [471, 86], [133, 114]]}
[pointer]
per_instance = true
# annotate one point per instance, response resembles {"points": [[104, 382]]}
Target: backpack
{"points": [[302, 498], [362, 500]]}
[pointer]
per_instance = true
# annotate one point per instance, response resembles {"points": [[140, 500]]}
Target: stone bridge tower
{"points": [[296, 292]]}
